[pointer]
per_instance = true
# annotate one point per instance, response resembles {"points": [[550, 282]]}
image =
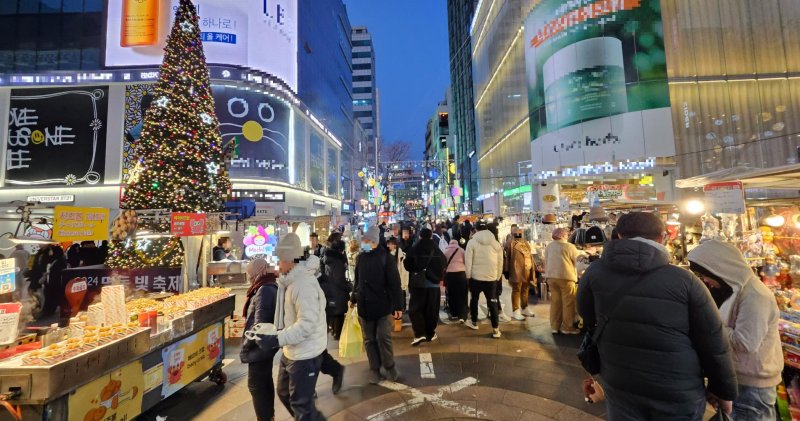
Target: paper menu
{"points": [[9, 322]]}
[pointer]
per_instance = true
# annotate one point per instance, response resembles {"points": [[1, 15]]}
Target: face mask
{"points": [[367, 247], [517, 235]]}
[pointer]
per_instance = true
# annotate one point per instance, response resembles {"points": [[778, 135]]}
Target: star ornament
{"points": [[187, 26], [143, 244], [206, 118], [213, 167], [162, 102]]}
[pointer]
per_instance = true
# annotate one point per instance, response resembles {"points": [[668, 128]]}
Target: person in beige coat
{"points": [[560, 258], [520, 270], [750, 318]]}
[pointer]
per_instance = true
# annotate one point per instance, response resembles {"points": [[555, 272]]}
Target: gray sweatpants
{"points": [[378, 342]]}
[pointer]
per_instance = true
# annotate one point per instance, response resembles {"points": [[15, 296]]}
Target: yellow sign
{"points": [[80, 224], [153, 378], [115, 396], [185, 361]]}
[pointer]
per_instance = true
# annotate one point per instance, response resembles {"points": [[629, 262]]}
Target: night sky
{"points": [[412, 58]]}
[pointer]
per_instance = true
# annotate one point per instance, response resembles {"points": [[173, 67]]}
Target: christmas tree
{"points": [[180, 157]]}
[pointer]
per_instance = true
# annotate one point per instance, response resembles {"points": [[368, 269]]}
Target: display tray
{"points": [[226, 267], [42, 383]]}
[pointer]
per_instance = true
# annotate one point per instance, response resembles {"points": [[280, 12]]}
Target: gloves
{"points": [[267, 342]]}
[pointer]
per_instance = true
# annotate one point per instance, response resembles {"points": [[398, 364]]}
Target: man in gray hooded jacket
{"points": [[750, 319]]}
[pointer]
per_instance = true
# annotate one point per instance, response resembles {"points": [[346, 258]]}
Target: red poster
{"points": [[188, 224]]}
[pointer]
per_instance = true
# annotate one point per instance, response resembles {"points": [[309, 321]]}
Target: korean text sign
{"points": [[80, 224], [187, 360], [188, 224]]}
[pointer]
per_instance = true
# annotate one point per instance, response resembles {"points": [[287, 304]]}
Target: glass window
{"points": [[362, 54], [93, 6], [28, 6], [367, 90], [362, 66], [362, 78], [50, 6], [8, 7], [362, 43], [362, 102], [72, 6], [333, 171]]}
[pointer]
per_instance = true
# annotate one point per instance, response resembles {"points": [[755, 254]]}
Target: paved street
{"points": [[526, 375]]}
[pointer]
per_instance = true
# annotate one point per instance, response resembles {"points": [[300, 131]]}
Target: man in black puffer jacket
{"points": [[666, 335]]}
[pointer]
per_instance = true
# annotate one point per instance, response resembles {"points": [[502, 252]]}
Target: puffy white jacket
{"points": [[303, 312], [750, 315], [484, 257]]}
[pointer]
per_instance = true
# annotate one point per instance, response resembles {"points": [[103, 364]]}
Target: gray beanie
{"points": [[373, 234], [289, 248]]}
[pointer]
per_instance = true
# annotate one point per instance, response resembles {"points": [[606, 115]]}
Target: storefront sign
{"points": [[549, 197], [605, 191], [188, 359], [8, 270], [188, 224], [80, 224], [517, 190], [56, 136], [63, 198], [114, 396], [725, 197]]}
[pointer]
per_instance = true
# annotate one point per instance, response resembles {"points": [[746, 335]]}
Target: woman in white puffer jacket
{"points": [[484, 267]]}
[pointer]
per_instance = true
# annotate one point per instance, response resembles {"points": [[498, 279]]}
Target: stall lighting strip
{"points": [[504, 138], [500, 66]]}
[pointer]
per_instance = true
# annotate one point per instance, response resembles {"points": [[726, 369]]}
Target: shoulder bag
{"points": [[588, 353], [420, 279]]}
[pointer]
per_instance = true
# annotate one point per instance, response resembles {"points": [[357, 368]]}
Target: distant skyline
{"points": [[412, 57]]}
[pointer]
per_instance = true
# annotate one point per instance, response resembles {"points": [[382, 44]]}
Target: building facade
{"points": [[439, 152], [462, 115], [366, 99]]}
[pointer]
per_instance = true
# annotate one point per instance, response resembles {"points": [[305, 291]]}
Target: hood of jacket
{"points": [[634, 255], [333, 254], [453, 246], [725, 261], [484, 237], [304, 269]]}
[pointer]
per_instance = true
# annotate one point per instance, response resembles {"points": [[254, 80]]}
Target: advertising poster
{"points": [[137, 100], [56, 136], [75, 224], [188, 224], [8, 269], [316, 164], [597, 82], [190, 358], [259, 127], [115, 396], [234, 32]]}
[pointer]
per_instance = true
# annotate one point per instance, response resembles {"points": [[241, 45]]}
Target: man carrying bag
{"points": [[425, 263]]}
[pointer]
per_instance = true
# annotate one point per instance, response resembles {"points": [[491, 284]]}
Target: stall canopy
{"points": [[783, 177]]}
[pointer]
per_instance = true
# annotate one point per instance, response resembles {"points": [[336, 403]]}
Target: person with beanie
{"points": [[483, 265], [425, 264], [750, 322], [301, 329], [455, 280], [560, 259], [379, 298], [260, 308]]}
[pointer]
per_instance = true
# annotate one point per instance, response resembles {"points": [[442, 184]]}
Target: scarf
{"points": [[267, 278]]}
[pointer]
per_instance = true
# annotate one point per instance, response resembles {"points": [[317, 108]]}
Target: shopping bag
{"points": [[351, 342]]}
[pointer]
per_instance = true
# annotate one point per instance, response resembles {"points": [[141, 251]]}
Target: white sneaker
{"points": [[435, 337], [496, 334], [418, 341], [518, 315], [527, 312], [504, 317], [471, 325]]}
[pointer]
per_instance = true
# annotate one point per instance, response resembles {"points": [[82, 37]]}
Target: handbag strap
{"points": [[603, 321]]}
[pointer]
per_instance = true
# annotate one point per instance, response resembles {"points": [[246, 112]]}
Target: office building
{"points": [[462, 115], [366, 99], [439, 152]]}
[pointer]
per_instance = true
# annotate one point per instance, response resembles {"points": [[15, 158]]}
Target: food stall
{"points": [[763, 220]]}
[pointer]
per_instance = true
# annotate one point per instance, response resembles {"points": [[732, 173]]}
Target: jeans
{"points": [[489, 290], [622, 406], [755, 404], [562, 304], [378, 342], [519, 295], [259, 382], [297, 381], [457, 294], [423, 310]]}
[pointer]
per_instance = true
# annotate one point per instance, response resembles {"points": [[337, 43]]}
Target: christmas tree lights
{"points": [[180, 159]]}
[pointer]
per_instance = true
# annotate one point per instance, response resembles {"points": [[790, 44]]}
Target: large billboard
{"points": [[597, 82], [56, 136], [258, 34]]}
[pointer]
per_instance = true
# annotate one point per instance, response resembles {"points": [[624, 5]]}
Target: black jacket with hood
{"points": [[426, 255], [335, 284], [376, 288], [666, 336]]}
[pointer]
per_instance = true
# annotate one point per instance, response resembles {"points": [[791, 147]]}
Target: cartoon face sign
{"points": [[260, 240]]}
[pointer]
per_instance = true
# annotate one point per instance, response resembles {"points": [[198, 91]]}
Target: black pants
{"points": [[259, 382], [457, 294], [378, 342], [423, 310], [329, 367], [335, 325], [489, 290], [296, 383]]}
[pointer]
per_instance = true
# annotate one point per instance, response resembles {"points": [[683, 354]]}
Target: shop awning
{"points": [[783, 177]]}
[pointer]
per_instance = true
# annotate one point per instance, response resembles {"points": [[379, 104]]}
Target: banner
{"points": [[185, 361], [8, 270], [233, 33], [83, 284], [115, 396], [56, 136], [80, 224], [188, 224], [597, 82], [727, 197]]}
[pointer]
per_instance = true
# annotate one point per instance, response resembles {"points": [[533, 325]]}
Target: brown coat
{"points": [[519, 255]]}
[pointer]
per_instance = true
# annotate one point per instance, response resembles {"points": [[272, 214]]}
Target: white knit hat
{"points": [[289, 248]]}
